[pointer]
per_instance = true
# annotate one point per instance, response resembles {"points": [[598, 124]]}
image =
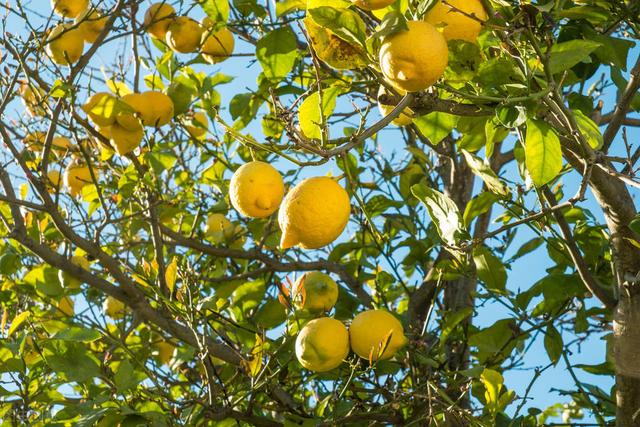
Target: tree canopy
{"points": [[146, 280]]}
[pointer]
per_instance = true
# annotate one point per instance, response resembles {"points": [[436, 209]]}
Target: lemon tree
{"points": [[319, 212]]}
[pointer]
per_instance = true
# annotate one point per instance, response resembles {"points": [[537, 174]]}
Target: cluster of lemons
{"points": [[324, 342], [65, 42], [415, 59], [313, 214], [121, 120]]}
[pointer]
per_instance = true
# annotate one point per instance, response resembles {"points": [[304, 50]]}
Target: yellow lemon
{"points": [[61, 143], [217, 46], [404, 119], [76, 176], [158, 18], [113, 308], [69, 281], [126, 134], [165, 352], [154, 108], [34, 142], [314, 213], [69, 8], [316, 292], [198, 125], [34, 100], [372, 4], [455, 24], [322, 344], [184, 35], [414, 59], [256, 189], [219, 228], [55, 179], [66, 306], [102, 108], [91, 23], [65, 44], [370, 330]]}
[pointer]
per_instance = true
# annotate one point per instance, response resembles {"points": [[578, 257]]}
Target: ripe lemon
{"points": [[184, 35], [457, 25], [165, 352], [322, 344], [55, 179], [69, 281], [369, 331], [216, 46], [101, 107], [154, 108], [404, 119], [91, 23], [314, 213], [113, 308], [198, 125], [315, 291], [256, 189], [69, 8], [34, 142], [34, 100], [65, 44], [373, 4], [158, 18], [220, 229], [126, 134], [66, 306], [76, 176], [414, 59]]}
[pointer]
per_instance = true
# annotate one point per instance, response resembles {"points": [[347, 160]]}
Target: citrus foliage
{"points": [[146, 277]]}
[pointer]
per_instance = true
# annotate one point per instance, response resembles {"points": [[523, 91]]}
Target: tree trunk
{"points": [[619, 209]]}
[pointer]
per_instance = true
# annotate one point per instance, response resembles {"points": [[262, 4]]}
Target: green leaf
{"points": [[309, 111], [286, 6], [567, 54], [477, 206], [436, 126], [270, 314], [77, 334], [589, 129], [553, 344], [451, 321], [217, 10], [543, 152], [344, 23], [614, 51], [592, 14], [474, 136], [277, 52], [443, 212], [492, 381], [124, 377], [490, 269], [75, 363], [484, 171], [392, 23], [17, 322]]}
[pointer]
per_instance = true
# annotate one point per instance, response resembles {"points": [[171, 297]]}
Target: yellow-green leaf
{"points": [[543, 152], [171, 275], [17, 321]]}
